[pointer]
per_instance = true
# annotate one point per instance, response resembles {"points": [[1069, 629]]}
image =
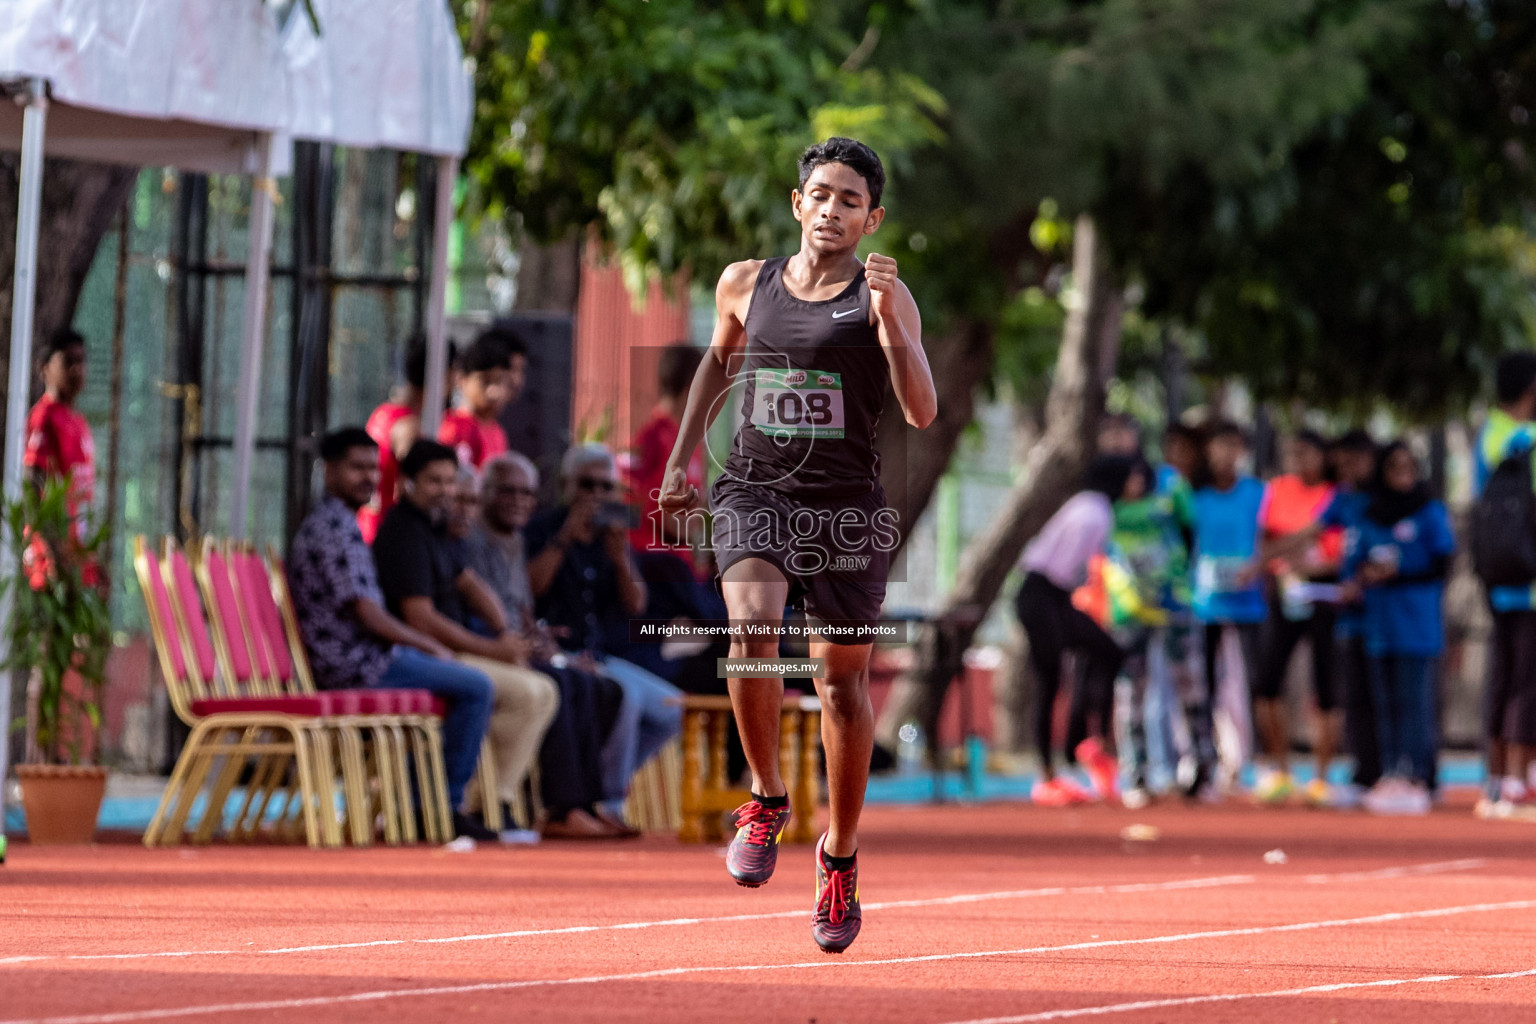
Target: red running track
{"points": [[998, 913]]}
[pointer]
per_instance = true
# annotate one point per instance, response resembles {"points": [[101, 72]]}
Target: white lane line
{"points": [[978, 897], [1437, 868], [982, 897], [1163, 1004], [824, 963]]}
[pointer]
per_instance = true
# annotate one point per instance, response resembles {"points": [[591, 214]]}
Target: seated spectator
{"points": [[427, 583], [353, 642], [585, 583], [488, 520]]}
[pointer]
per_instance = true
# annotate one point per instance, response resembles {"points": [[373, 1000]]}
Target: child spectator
{"points": [[1183, 457], [1354, 469], [1055, 563], [59, 443], [1229, 597], [1511, 720], [490, 377], [395, 425], [1151, 540], [1398, 563], [1292, 504], [653, 445]]}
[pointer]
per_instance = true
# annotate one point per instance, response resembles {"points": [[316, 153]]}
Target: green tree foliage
{"points": [[1108, 107], [671, 128], [1330, 193], [1386, 259]]}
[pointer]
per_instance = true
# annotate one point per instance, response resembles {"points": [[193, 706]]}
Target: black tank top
{"points": [[813, 381]]}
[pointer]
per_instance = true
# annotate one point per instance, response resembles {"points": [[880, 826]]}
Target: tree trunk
{"points": [[80, 200], [912, 461], [1089, 347]]}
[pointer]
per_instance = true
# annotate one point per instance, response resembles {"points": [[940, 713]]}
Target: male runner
{"points": [[798, 509]]}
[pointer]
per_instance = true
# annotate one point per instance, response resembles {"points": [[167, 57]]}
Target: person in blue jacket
{"points": [[1397, 562], [1228, 588]]}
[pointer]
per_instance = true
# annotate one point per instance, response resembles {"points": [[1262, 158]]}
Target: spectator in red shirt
{"points": [[653, 445], [394, 426], [490, 378], [59, 442]]}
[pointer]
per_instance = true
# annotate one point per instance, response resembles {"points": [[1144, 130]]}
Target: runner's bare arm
{"points": [[732, 296], [900, 327]]}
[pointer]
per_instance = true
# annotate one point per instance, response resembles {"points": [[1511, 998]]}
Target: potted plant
{"points": [[60, 633]]}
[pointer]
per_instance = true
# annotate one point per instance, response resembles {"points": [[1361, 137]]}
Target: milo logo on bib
{"points": [[798, 403]]}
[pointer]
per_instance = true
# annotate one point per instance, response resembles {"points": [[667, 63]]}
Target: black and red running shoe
{"points": [[837, 918], [754, 852]]}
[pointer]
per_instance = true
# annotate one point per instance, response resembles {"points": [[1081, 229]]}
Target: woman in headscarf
{"points": [[1398, 562]]}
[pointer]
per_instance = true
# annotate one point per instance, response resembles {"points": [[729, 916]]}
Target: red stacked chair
{"points": [[282, 737]]}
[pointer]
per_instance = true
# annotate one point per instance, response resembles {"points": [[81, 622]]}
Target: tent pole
{"points": [[23, 305], [252, 334], [437, 299]]}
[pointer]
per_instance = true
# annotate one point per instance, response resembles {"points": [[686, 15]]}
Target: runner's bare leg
{"points": [[848, 734], [755, 591]]}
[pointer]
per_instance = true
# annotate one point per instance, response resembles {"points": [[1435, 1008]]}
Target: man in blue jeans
{"points": [[585, 584], [353, 642]]}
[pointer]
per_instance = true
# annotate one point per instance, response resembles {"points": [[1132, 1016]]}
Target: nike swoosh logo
{"points": [[843, 313]]}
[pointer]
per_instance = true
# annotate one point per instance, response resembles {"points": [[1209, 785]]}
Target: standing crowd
{"points": [[1187, 587]]}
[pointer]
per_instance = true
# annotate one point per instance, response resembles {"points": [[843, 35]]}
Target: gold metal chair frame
{"points": [[276, 741], [397, 736]]}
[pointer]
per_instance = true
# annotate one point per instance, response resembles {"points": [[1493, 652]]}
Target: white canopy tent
{"points": [[220, 86]]}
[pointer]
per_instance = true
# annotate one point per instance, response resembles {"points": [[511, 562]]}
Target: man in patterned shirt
{"points": [[353, 642]]}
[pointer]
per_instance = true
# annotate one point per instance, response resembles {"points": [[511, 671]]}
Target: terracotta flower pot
{"points": [[61, 801]]}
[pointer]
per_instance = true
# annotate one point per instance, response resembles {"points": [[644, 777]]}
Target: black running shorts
{"points": [[835, 552]]}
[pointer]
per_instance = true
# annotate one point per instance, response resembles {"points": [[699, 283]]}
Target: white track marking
{"points": [[1163, 1004], [981, 897], [1407, 872], [824, 963], [978, 897]]}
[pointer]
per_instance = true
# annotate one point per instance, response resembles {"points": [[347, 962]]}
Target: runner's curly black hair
{"points": [[838, 150]]}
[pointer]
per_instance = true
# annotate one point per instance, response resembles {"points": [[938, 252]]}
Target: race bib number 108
{"points": [[799, 403]]}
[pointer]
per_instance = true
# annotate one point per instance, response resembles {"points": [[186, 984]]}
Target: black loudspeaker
{"points": [[538, 423]]}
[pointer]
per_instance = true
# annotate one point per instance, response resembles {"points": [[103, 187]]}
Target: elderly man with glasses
{"points": [[493, 513], [585, 584]]}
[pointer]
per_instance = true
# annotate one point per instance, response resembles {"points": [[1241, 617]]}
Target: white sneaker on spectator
{"points": [[1396, 796]]}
